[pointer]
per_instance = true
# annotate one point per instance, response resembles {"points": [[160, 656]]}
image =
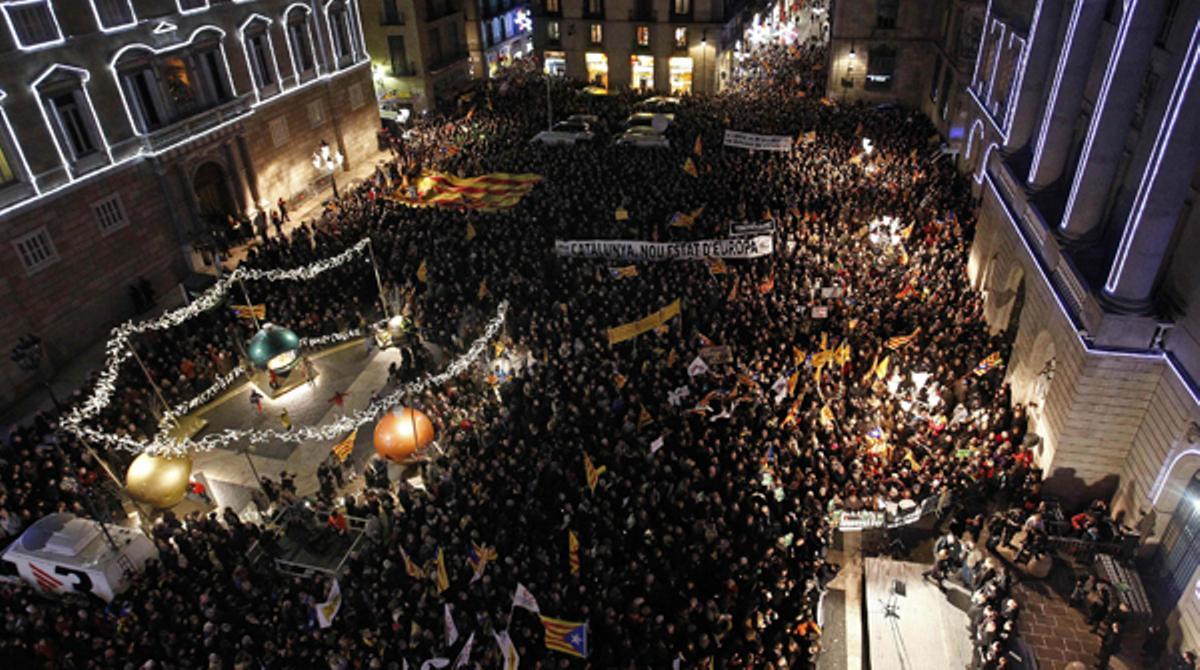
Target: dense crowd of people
{"points": [[704, 541]]}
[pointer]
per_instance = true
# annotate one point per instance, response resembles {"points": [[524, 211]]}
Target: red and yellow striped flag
{"points": [[249, 311], [573, 551], [443, 579], [689, 166], [343, 449], [593, 473], [900, 341], [568, 637]]}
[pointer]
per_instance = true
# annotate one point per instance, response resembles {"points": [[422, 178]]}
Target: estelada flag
{"points": [[621, 214], [249, 311], [593, 473], [566, 636], [689, 166], [573, 551], [624, 272], [905, 292], [342, 449], [987, 364], [767, 285], [443, 579], [798, 355], [619, 380], [716, 266]]}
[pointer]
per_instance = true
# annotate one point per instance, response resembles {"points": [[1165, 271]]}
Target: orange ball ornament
{"points": [[402, 433]]}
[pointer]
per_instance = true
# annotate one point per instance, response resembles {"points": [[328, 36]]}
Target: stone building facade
{"points": [[669, 46], [1082, 138], [128, 131], [420, 50]]}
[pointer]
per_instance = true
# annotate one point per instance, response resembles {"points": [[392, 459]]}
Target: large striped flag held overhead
{"points": [[490, 192], [568, 637]]}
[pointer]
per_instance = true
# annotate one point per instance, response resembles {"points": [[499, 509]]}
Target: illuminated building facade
{"points": [[1082, 138], [131, 131], [500, 32], [668, 46], [420, 51]]}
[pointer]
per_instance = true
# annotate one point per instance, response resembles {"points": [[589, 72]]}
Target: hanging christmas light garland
{"points": [[117, 349], [166, 445]]}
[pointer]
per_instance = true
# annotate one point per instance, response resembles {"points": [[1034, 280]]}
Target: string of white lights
{"points": [[336, 338], [167, 445], [117, 348]]}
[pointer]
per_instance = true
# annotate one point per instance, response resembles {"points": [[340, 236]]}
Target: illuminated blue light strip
{"points": [[1036, 260], [1094, 126], [1150, 176], [1052, 102]]}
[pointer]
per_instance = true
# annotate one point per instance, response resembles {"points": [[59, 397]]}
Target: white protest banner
{"points": [[636, 250], [755, 142]]}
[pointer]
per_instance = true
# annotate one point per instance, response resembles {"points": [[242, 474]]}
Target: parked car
{"points": [[647, 119], [658, 103], [565, 133], [643, 136]]}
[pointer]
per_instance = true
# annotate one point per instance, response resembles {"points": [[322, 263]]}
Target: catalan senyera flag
{"points": [[443, 579], [411, 568], [767, 285], [908, 231], [792, 413], [620, 380], [881, 370], [342, 449], [681, 220], [697, 148], [792, 381], [798, 355], [644, 419], [905, 292], [621, 214], [249, 311], [470, 232], [985, 366], [689, 166], [569, 637], [508, 652], [826, 415], [423, 273], [871, 371], [901, 341], [488, 193], [842, 355], [732, 291], [573, 551], [593, 473], [716, 266]]}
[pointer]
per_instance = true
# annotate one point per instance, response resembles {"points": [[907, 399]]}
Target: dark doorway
{"points": [[213, 198], [1180, 548]]}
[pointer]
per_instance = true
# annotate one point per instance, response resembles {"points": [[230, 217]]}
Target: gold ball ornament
{"points": [[400, 434], [160, 481]]}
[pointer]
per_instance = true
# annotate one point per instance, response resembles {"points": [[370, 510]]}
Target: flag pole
{"points": [[378, 282], [249, 303]]}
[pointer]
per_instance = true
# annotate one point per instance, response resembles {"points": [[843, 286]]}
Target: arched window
{"points": [[160, 87], [297, 20], [260, 55], [71, 119], [339, 14]]}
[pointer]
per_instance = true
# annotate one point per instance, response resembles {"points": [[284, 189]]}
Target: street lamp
{"points": [[329, 160], [28, 356]]}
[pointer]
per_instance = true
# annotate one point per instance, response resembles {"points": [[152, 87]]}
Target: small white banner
{"points": [[636, 250], [755, 142]]}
